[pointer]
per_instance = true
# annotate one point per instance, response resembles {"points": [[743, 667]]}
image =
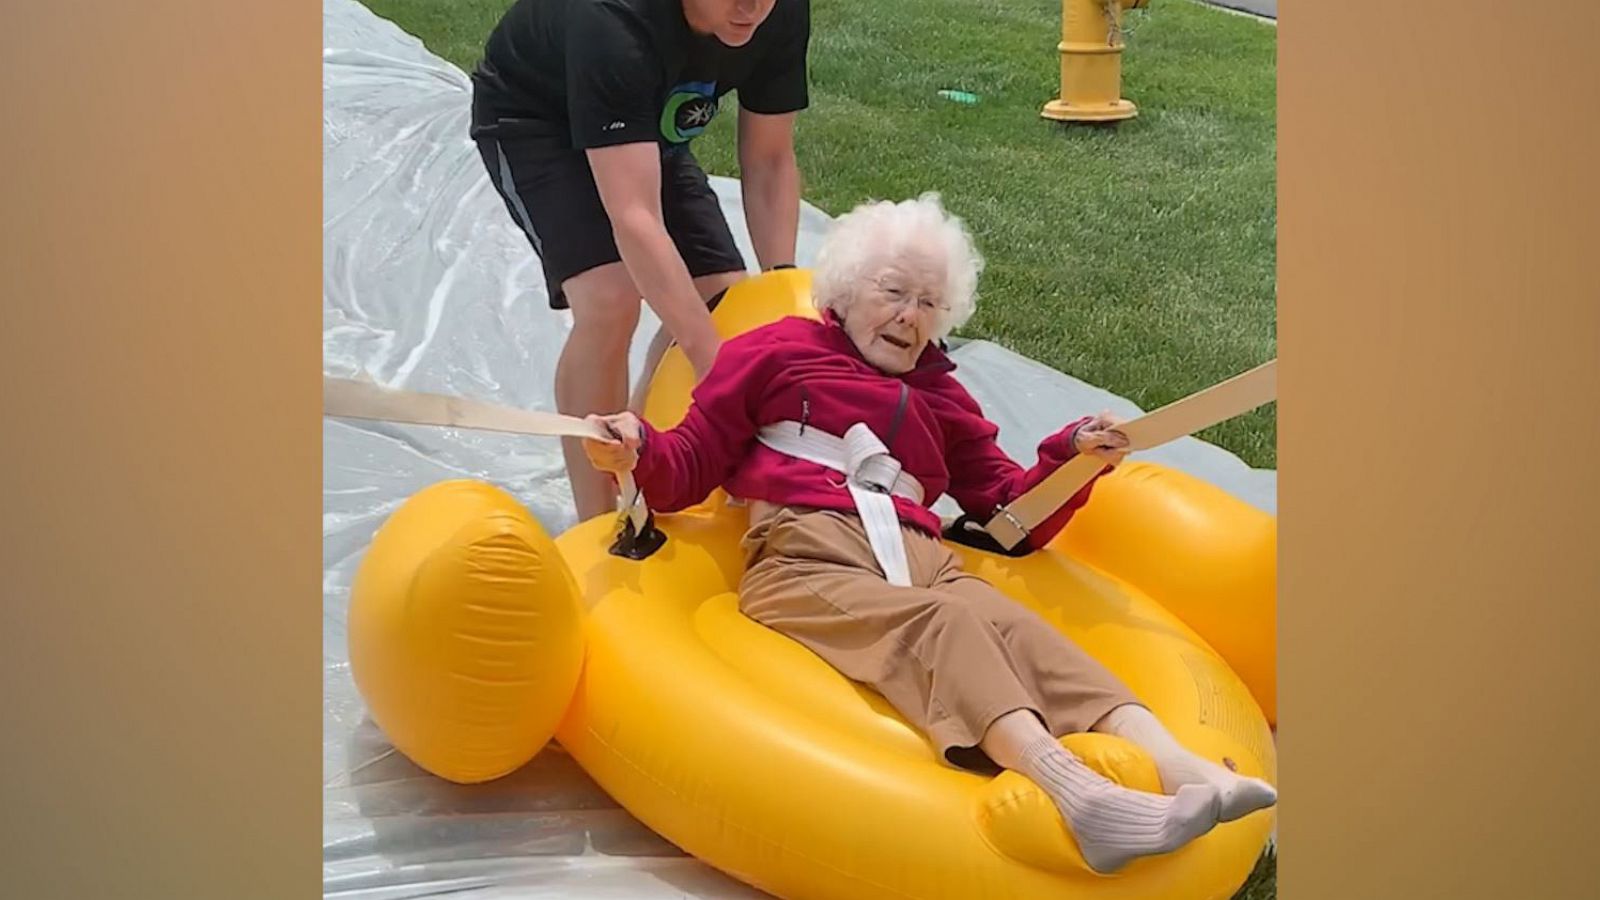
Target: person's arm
{"points": [[681, 466], [770, 182], [614, 83], [768, 102], [629, 180], [983, 478]]}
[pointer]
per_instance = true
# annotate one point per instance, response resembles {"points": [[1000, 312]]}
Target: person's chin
{"points": [[734, 36], [890, 363]]}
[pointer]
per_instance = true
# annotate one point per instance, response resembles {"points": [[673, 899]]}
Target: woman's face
{"points": [[896, 309]]}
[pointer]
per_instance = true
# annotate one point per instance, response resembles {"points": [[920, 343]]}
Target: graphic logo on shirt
{"points": [[689, 109]]}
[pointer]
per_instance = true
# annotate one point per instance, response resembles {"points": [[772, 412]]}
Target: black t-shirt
{"points": [[593, 73]]}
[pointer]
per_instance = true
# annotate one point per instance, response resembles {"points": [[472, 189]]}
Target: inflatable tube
{"points": [[466, 634], [1211, 559], [751, 753]]}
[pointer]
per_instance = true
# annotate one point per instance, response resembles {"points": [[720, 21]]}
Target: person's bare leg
{"points": [[1113, 825], [709, 286], [1178, 766], [592, 373]]}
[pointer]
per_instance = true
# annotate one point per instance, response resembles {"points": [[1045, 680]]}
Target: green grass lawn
{"points": [[1138, 257]]}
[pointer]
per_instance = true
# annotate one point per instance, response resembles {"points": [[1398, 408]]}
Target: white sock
{"points": [[1112, 824], [1178, 767]]}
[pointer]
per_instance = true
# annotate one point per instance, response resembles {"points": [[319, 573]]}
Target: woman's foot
{"points": [[1239, 796], [1114, 825], [1178, 767]]}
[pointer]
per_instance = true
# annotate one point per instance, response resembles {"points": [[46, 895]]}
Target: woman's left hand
{"points": [[1100, 438], [619, 453]]}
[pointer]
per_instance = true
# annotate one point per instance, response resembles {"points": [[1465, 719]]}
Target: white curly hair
{"points": [[876, 233]]}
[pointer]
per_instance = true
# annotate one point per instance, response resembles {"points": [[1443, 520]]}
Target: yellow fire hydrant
{"points": [[1091, 62]]}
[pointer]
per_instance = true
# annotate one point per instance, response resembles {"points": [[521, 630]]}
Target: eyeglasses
{"points": [[890, 295]]}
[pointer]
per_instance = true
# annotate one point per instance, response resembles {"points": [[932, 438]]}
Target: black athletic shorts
{"points": [[550, 192]]}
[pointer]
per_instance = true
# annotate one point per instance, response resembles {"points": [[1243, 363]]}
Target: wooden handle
{"points": [[1218, 403], [1199, 411], [347, 398]]}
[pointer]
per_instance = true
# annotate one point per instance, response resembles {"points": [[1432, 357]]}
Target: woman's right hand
{"points": [[1099, 437], [619, 453]]}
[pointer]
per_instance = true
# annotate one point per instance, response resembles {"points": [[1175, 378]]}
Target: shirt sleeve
{"points": [[681, 466], [778, 84], [614, 78], [983, 478]]}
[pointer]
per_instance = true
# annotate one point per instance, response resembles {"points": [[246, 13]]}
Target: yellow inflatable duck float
{"points": [[475, 638]]}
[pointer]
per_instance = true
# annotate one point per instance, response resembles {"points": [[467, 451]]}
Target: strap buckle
{"points": [[1016, 522], [640, 544]]}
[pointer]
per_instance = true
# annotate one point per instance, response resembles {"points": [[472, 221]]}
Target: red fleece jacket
{"points": [[808, 371]]}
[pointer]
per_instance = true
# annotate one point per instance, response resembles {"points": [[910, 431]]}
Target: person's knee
{"points": [[605, 313], [941, 617], [613, 315]]}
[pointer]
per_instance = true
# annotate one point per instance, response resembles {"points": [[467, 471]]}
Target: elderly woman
{"points": [[841, 433]]}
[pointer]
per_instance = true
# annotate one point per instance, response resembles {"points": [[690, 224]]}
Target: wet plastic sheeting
{"points": [[429, 286]]}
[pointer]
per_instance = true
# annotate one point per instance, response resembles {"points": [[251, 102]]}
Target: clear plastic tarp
{"points": [[428, 285]]}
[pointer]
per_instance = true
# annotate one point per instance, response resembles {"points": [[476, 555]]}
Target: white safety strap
{"points": [[871, 474], [630, 503]]}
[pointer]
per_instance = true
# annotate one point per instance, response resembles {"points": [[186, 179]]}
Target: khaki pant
{"points": [[951, 653]]}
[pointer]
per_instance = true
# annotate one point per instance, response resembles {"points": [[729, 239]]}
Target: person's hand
{"points": [[619, 453], [1100, 438]]}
